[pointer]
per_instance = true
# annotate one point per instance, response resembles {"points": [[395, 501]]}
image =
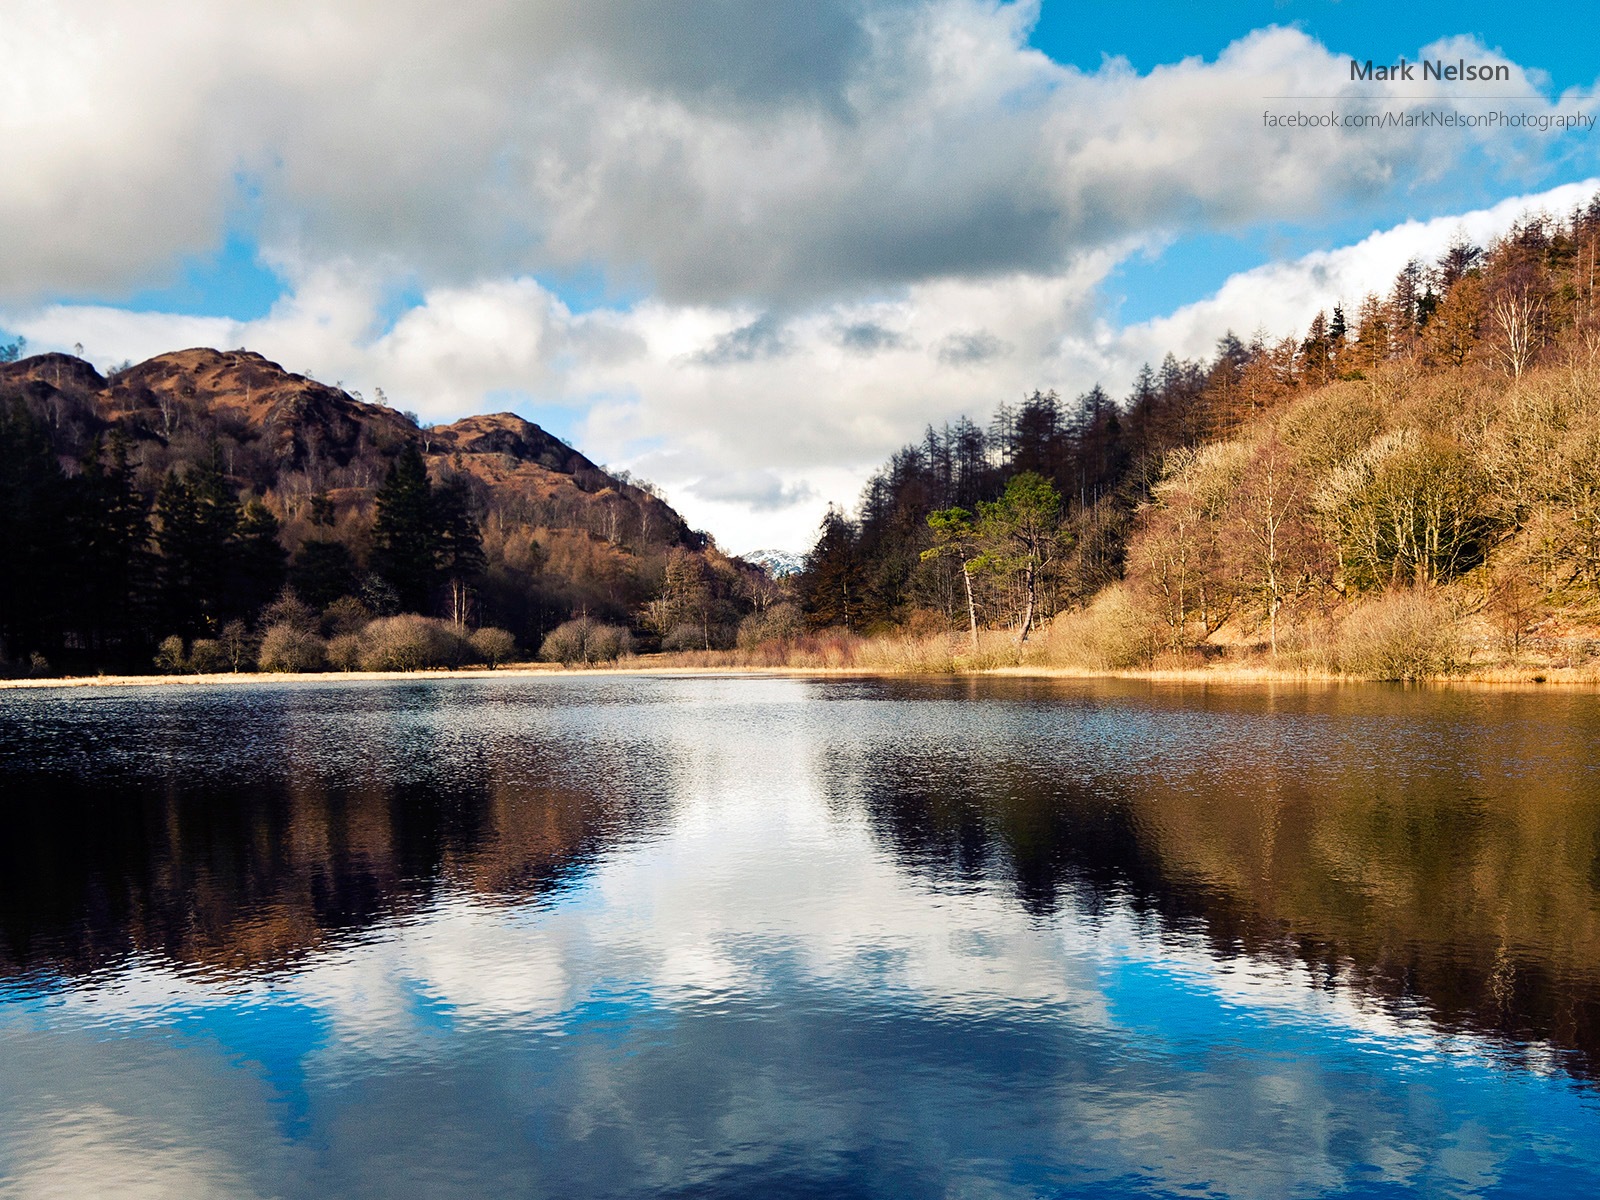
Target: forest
{"points": [[208, 511], [1390, 491]]}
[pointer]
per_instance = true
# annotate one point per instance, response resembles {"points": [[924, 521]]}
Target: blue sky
{"points": [[1539, 33], [743, 250]]}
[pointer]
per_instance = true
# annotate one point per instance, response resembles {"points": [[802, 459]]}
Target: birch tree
{"points": [[955, 537]]}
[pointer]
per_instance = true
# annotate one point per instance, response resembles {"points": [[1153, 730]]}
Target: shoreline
{"points": [[1520, 678]]}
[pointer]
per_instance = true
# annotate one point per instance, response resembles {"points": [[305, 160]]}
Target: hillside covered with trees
{"points": [[1395, 491], [208, 510], [1418, 480]]}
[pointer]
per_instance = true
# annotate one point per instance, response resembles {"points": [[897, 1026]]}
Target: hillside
{"points": [[559, 535], [287, 433], [1401, 491]]}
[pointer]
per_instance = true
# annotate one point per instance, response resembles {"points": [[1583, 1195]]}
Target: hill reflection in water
{"points": [[769, 936], [243, 835], [1441, 848]]}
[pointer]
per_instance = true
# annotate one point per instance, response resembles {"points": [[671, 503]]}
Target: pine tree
{"points": [[112, 564], [405, 551], [259, 561], [197, 518], [834, 578], [32, 526], [955, 537], [1021, 535], [322, 571], [460, 545], [1315, 356]]}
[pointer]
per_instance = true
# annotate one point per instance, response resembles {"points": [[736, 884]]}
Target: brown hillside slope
{"points": [[294, 436], [562, 535]]}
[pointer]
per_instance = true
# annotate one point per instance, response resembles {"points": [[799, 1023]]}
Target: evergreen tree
{"points": [[834, 577], [1039, 441], [1315, 354], [32, 512], [955, 537], [322, 571], [197, 517], [112, 566], [405, 544], [259, 560], [460, 545], [1021, 535]]}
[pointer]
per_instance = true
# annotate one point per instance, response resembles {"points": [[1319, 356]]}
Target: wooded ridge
{"points": [[1392, 492], [182, 508]]}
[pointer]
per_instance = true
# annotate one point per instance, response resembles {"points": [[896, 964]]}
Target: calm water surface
{"points": [[619, 936]]}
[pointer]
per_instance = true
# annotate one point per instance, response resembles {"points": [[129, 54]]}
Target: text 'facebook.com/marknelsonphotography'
{"points": [[1430, 119]]}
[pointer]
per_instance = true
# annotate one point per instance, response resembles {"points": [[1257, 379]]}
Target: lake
{"points": [[720, 936]]}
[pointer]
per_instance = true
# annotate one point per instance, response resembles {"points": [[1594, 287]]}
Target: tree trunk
{"points": [[972, 611], [1027, 613]]}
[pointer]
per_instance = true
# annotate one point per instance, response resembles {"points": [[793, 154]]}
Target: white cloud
{"points": [[769, 879], [713, 152], [753, 420], [1282, 297], [129, 1157]]}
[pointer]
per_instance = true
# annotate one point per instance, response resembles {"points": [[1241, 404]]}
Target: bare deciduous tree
{"points": [[1518, 320]]}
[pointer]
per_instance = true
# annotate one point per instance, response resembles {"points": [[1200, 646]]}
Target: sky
{"points": [[744, 250]]}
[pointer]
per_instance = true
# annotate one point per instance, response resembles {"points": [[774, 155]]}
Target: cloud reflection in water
{"points": [[751, 937]]}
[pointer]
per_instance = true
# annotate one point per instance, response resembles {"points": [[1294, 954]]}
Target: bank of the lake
{"points": [[676, 665]]}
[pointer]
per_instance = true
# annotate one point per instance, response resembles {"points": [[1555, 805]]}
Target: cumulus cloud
{"points": [[753, 421], [764, 932], [760, 490], [718, 151], [966, 349], [1281, 298]]}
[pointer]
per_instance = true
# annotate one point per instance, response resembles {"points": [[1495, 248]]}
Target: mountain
{"points": [[780, 564], [560, 534], [285, 433]]}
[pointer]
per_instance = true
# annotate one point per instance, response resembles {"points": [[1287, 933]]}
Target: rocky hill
{"points": [[285, 433], [561, 535]]}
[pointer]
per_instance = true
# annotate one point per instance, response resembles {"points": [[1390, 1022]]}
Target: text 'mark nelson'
{"points": [[1459, 71]]}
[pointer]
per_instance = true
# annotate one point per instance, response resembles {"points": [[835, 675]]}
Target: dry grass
{"points": [[1225, 670], [1403, 635]]}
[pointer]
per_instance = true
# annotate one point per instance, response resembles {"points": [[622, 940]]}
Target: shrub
{"points": [[564, 643], [1403, 635], [290, 647], [411, 643], [607, 643], [287, 609], [208, 657], [493, 646], [1309, 643], [585, 641], [780, 623], [169, 658], [684, 636], [1113, 633], [344, 652]]}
